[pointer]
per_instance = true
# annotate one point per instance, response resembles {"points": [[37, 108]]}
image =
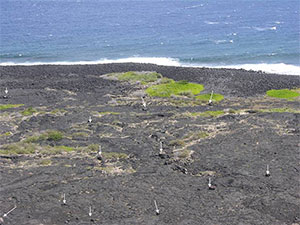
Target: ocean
{"points": [[251, 34]]}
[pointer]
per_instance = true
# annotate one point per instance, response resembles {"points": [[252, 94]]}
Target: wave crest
{"points": [[277, 68], [153, 60]]}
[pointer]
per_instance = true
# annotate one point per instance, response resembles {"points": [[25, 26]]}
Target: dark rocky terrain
{"points": [[232, 149]]}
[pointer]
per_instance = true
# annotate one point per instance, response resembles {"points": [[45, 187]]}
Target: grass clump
{"points": [[174, 88], [45, 162], [279, 110], [55, 111], [206, 97], [79, 134], [282, 93], [184, 154], [55, 150], [206, 114], [188, 94], [54, 136], [36, 138], [6, 134], [18, 149], [177, 142], [64, 148], [93, 147], [144, 77], [50, 136], [199, 135], [10, 106], [29, 111], [165, 80]]}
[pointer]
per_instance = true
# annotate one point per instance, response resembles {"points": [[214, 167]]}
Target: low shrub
{"points": [[54, 135]]}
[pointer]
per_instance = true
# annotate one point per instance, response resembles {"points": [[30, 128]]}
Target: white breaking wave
{"points": [[153, 60], [278, 68], [222, 41], [194, 6], [211, 22], [264, 28]]}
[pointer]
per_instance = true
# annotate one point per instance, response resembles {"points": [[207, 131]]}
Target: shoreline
{"points": [[230, 82], [271, 68]]}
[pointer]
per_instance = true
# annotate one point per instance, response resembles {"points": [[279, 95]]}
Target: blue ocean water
{"points": [[216, 33]]}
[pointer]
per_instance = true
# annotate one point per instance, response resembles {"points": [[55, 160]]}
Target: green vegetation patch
{"points": [[282, 93], [185, 154], [54, 135], [144, 77], [93, 147], [29, 111], [18, 149], [174, 88], [279, 110], [206, 97], [177, 143], [64, 148], [45, 162], [6, 134], [36, 138], [10, 106], [80, 134], [205, 114], [50, 136], [55, 111], [199, 135], [165, 80]]}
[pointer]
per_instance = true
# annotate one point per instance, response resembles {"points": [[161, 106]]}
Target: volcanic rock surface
{"points": [[233, 149]]}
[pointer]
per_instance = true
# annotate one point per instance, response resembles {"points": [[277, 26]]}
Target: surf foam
{"points": [[279, 68], [153, 60]]}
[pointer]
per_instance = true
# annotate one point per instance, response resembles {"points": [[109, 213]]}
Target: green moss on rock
{"points": [[282, 93], [144, 77], [206, 97], [174, 88], [9, 106]]}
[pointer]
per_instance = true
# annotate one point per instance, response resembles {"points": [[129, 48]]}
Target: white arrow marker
{"points": [[143, 102], [161, 148], [6, 214], [90, 212], [6, 92], [211, 97], [156, 208], [210, 186], [268, 171], [64, 199], [90, 119], [100, 151]]}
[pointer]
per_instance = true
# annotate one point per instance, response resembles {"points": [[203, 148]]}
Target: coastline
{"points": [[271, 68], [231, 82], [49, 149]]}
